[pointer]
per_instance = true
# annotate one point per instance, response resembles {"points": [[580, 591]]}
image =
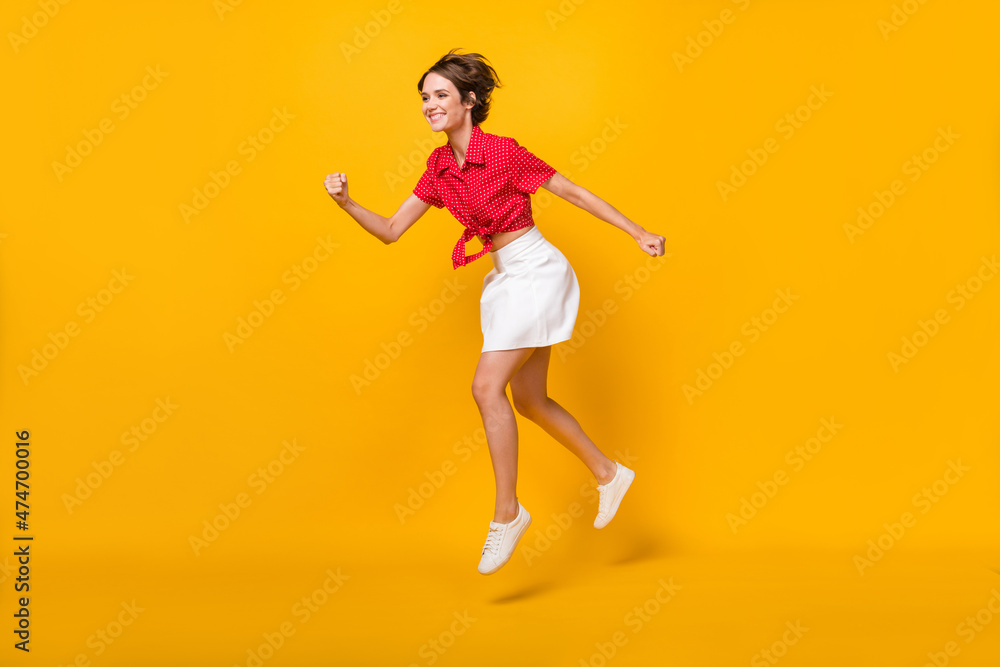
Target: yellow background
{"points": [[570, 72]]}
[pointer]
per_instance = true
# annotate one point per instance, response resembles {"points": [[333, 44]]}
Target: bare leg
{"points": [[528, 389], [489, 388]]}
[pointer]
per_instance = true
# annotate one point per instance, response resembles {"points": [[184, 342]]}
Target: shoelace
{"points": [[602, 503], [493, 540]]}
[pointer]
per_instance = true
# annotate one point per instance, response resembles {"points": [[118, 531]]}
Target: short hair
{"points": [[467, 72]]}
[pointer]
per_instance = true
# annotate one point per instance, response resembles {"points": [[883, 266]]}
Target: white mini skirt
{"points": [[531, 296]]}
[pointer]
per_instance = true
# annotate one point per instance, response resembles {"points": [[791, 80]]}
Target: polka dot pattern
{"points": [[490, 193]]}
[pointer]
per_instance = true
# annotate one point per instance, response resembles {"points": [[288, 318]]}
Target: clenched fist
{"points": [[651, 243], [336, 185]]}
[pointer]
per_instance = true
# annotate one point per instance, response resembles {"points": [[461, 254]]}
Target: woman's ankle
{"points": [[608, 473], [506, 513]]}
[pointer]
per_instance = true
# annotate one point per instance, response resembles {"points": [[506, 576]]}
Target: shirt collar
{"points": [[473, 154]]}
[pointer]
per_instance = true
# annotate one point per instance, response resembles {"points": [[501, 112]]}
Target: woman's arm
{"points": [[591, 203], [384, 229]]}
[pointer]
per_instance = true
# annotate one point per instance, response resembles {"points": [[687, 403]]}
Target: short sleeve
{"points": [[426, 189], [529, 170]]}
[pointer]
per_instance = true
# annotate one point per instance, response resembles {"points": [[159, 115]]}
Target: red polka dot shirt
{"points": [[490, 193]]}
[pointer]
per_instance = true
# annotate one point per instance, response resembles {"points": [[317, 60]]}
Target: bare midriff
{"points": [[501, 239]]}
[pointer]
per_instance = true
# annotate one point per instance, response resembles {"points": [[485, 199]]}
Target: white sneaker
{"points": [[612, 494], [501, 540]]}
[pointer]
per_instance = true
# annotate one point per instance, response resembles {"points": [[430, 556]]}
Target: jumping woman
{"points": [[531, 296]]}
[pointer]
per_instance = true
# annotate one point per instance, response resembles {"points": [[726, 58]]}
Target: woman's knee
{"points": [[485, 389], [529, 407]]}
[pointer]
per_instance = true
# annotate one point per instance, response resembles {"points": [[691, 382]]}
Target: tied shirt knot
{"points": [[459, 258]]}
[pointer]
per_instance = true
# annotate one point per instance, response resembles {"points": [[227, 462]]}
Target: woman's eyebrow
{"points": [[439, 90]]}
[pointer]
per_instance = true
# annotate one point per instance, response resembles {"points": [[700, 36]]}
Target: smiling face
{"points": [[442, 106]]}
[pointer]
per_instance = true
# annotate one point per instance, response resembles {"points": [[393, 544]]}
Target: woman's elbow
{"points": [[388, 236]]}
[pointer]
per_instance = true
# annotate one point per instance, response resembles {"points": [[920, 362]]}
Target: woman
{"points": [[531, 296]]}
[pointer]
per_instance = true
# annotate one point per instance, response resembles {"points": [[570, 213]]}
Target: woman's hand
{"points": [[336, 185], [651, 244]]}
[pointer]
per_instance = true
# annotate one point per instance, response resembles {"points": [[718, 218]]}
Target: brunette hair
{"points": [[468, 72]]}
